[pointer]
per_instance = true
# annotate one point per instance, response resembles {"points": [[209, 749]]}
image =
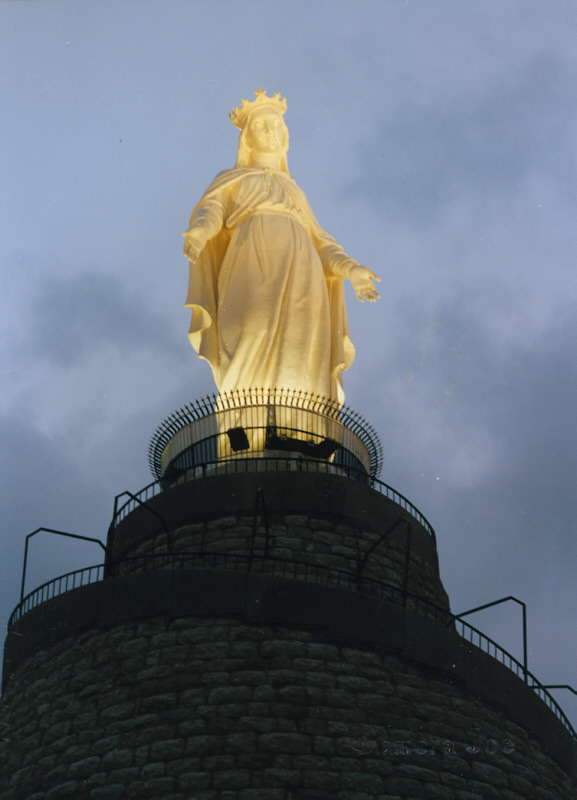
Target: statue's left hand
{"points": [[362, 279]]}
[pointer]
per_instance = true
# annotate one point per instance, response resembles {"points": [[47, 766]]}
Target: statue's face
{"points": [[264, 131]]}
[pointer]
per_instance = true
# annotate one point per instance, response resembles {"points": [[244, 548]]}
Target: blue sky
{"points": [[435, 141]]}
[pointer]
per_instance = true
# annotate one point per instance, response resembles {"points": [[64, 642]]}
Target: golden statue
{"points": [[266, 281]]}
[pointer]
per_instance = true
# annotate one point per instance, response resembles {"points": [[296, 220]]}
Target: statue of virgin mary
{"points": [[266, 281]]}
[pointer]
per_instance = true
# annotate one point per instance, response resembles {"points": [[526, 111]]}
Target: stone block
{"points": [[231, 779], [232, 710], [76, 752], [117, 759], [113, 792], [488, 792], [283, 648], [361, 657], [215, 678], [362, 782], [209, 794], [155, 770], [125, 774], [297, 519], [184, 765], [279, 675], [220, 725], [141, 755], [355, 683], [257, 724], [256, 762], [339, 698], [248, 633], [192, 727], [320, 650], [131, 648], [167, 750], [64, 791], [287, 725], [488, 773], [264, 693], [210, 650], [322, 779], [316, 794], [417, 772], [116, 712], [244, 649], [240, 742], [353, 795], [223, 522], [84, 768], [193, 781], [278, 778], [319, 679], [203, 745], [293, 694], [158, 702], [407, 787], [284, 743], [324, 745], [230, 694], [155, 733], [66, 743]]}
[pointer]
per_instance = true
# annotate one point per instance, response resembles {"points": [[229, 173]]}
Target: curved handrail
{"points": [[515, 666], [294, 569], [243, 399], [55, 588], [272, 464]]}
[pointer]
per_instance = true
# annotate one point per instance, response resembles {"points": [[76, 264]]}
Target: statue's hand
{"points": [[193, 244], [362, 279]]}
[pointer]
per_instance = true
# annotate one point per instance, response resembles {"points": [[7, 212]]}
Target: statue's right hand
{"points": [[193, 243]]}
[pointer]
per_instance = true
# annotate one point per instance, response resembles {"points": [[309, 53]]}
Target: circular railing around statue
{"points": [[259, 423]]}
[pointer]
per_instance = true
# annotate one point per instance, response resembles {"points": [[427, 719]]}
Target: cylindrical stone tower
{"points": [[270, 627]]}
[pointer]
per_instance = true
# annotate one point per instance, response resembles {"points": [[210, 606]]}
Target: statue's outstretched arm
{"points": [[337, 262], [206, 221]]}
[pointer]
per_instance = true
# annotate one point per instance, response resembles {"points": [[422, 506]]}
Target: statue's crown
{"points": [[239, 116]]}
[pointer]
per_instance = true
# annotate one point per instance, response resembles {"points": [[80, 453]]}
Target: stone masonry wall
{"points": [[215, 709], [307, 540]]}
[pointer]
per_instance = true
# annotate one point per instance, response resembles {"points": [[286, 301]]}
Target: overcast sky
{"points": [[436, 141]]}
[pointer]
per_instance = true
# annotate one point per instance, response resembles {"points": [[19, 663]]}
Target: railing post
{"points": [[57, 533], [524, 624]]}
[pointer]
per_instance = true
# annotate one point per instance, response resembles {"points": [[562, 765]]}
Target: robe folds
{"points": [[266, 291]]}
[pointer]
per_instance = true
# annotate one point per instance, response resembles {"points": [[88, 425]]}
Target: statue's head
{"points": [[262, 127]]}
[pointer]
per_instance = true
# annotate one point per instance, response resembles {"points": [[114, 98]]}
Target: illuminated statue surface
{"points": [[266, 281]]}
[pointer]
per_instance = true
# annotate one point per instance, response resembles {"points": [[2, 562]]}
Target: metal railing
{"points": [[314, 573], [489, 646], [56, 588], [268, 464], [300, 410]]}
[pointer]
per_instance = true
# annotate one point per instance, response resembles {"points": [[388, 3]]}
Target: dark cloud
{"points": [[486, 142], [483, 440], [42, 486], [74, 315]]}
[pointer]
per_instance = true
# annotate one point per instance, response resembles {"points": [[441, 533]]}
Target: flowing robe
{"points": [[266, 291]]}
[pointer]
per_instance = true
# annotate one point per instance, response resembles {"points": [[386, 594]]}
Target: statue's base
{"points": [[276, 424]]}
